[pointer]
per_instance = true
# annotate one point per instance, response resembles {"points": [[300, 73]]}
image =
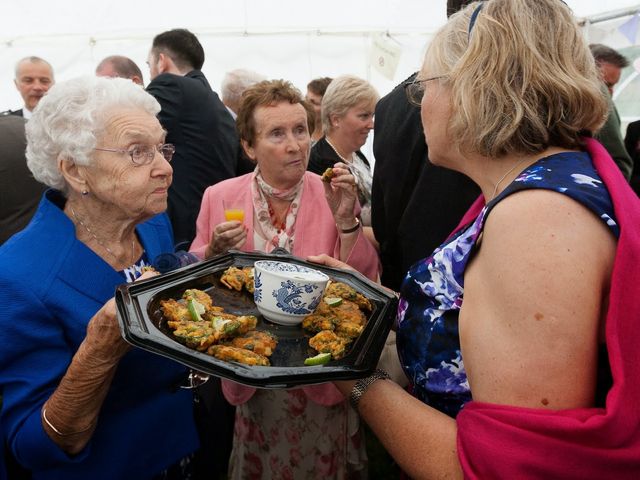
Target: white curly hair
{"points": [[69, 119]]}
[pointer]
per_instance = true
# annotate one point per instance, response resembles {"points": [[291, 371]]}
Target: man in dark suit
{"points": [[632, 144], [197, 123], [19, 192], [415, 205], [610, 64], [34, 77]]}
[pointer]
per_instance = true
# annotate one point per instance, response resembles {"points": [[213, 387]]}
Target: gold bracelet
{"points": [[46, 420]]}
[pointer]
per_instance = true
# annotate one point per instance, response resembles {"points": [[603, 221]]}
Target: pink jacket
{"points": [[315, 233]]}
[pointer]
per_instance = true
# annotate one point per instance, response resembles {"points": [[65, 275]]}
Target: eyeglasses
{"points": [[415, 89], [144, 154]]}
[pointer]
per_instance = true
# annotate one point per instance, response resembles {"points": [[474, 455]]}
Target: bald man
{"points": [[120, 66], [34, 77]]}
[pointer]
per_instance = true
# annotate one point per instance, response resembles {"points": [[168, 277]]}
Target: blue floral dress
{"points": [[433, 290]]}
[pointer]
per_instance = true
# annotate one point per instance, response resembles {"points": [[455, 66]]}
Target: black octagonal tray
{"points": [[143, 325]]}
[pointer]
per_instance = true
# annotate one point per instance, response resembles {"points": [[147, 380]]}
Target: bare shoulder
{"points": [[535, 294], [548, 221]]}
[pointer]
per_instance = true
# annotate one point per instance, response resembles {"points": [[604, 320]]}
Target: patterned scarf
{"points": [[261, 192]]}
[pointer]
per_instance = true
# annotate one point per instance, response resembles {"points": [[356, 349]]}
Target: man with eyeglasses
{"points": [[610, 64], [34, 77], [197, 123]]}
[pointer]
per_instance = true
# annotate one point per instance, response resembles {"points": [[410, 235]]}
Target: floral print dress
{"points": [[433, 290], [284, 434]]}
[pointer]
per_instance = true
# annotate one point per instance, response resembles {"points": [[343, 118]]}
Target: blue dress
{"points": [[433, 289]]}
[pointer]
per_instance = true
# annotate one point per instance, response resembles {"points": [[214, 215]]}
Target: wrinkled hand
{"points": [[103, 332], [226, 236], [342, 194], [324, 259], [103, 335]]}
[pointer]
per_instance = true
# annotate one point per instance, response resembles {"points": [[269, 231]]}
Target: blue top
{"points": [[433, 290], [51, 285]]}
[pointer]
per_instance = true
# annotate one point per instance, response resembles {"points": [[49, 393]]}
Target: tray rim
{"points": [[130, 302]]}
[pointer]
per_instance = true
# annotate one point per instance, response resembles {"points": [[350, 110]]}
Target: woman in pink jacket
{"points": [[308, 432]]}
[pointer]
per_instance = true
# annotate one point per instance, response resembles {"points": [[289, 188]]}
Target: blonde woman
{"points": [[519, 334]]}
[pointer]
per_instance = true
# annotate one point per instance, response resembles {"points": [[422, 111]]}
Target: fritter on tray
{"points": [[345, 311], [248, 283], [175, 312], [234, 278], [198, 335], [318, 322], [198, 323], [235, 354], [328, 342], [260, 342], [238, 278], [342, 290], [201, 297]]}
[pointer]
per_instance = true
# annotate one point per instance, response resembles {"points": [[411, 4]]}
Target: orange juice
{"points": [[234, 214]]}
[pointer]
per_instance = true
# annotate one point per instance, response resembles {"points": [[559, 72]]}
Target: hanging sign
{"points": [[385, 55]]}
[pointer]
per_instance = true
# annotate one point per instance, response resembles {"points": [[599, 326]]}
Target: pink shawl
{"points": [[497, 441]]}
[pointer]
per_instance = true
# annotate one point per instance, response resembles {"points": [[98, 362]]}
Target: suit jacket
{"points": [[415, 205], [51, 284], [315, 228], [632, 144], [19, 192], [17, 113], [201, 128], [610, 137], [323, 156]]}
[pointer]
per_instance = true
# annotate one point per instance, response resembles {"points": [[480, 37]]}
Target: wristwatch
{"points": [[363, 384]]}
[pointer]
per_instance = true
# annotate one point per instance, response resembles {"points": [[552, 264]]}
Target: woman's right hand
{"points": [[324, 259], [226, 236], [103, 334], [103, 331]]}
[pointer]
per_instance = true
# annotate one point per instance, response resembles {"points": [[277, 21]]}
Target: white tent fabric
{"points": [[297, 40]]}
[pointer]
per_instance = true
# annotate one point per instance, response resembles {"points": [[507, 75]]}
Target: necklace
{"points": [[495, 190], [95, 237], [337, 152]]}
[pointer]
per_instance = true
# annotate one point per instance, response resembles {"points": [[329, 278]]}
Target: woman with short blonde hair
{"points": [[519, 333], [348, 106]]}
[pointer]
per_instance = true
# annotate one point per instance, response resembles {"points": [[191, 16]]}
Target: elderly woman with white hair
{"points": [[347, 112], [78, 402]]}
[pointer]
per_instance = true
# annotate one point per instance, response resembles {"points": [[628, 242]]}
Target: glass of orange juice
{"points": [[233, 210]]}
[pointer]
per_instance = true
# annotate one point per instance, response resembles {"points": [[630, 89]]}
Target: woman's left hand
{"points": [[342, 194]]}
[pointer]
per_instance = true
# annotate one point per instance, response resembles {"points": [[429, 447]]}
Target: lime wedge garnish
{"points": [[320, 359], [333, 301], [196, 309]]}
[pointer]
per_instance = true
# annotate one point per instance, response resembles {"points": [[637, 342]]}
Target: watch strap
{"points": [[363, 384]]}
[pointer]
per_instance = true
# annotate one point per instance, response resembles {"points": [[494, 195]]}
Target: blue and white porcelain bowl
{"points": [[286, 292]]}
